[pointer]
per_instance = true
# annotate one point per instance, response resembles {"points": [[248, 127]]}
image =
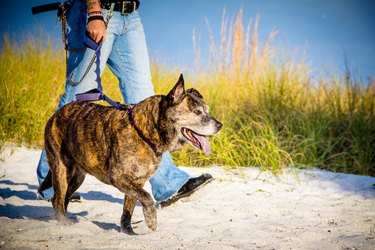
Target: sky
{"points": [[321, 32]]}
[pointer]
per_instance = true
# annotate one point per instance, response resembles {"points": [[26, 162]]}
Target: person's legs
{"points": [[78, 62], [129, 61], [41, 172]]}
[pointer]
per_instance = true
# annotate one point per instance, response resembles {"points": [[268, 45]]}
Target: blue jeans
{"points": [[125, 53]]}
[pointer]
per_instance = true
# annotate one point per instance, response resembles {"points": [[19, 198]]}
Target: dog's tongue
{"points": [[205, 144]]}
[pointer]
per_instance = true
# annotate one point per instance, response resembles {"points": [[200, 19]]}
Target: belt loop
{"points": [[112, 6]]}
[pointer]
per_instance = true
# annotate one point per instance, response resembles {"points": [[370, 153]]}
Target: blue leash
{"points": [[97, 93]]}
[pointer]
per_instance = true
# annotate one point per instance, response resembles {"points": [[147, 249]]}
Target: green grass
{"points": [[274, 116]]}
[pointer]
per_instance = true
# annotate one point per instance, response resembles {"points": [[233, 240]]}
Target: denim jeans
{"points": [[125, 53]]}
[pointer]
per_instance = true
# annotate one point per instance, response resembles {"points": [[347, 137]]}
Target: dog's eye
{"points": [[198, 112]]}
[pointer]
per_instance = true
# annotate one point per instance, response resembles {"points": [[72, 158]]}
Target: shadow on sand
{"points": [[34, 212], [100, 196], [107, 226], [113, 226]]}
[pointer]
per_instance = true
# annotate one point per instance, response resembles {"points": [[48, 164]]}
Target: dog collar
{"points": [[139, 132]]}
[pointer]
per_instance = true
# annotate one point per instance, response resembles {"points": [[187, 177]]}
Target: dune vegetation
{"points": [[274, 114]]}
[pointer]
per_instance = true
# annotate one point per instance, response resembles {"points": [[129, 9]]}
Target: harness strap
{"points": [[139, 132]]}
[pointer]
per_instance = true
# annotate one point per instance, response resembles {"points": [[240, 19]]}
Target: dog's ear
{"points": [[178, 91], [195, 92]]}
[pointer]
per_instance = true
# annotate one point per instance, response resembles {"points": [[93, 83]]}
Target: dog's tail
{"points": [[47, 183]]}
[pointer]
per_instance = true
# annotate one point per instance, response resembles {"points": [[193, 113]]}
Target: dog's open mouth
{"points": [[197, 140]]}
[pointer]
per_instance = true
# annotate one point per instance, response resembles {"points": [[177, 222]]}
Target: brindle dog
{"points": [[84, 137]]}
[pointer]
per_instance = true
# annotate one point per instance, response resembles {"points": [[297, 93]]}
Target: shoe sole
{"points": [[75, 200], [177, 197]]}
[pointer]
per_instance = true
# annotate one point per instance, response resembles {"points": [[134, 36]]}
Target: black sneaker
{"points": [[192, 185], [75, 198]]}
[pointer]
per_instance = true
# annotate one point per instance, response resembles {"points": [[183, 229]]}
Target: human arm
{"points": [[96, 28]]}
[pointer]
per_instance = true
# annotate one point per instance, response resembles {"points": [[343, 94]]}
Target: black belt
{"points": [[125, 7]]}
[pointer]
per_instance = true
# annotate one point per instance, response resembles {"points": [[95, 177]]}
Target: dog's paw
{"points": [[62, 219], [127, 229], [150, 217]]}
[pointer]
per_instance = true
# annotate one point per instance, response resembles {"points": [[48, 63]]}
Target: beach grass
{"points": [[274, 114]]}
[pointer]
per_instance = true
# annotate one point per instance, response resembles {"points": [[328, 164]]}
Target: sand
{"points": [[241, 209]]}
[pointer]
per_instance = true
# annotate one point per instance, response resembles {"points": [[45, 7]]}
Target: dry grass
{"points": [[273, 114]]}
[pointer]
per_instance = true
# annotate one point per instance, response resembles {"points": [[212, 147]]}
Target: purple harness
{"points": [[97, 93]]}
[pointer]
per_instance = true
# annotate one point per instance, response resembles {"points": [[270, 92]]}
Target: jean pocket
{"points": [[134, 21]]}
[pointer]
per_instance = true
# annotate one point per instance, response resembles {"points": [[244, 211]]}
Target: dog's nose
{"points": [[219, 125]]}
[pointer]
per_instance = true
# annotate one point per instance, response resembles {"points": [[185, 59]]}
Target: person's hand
{"points": [[97, 30]]}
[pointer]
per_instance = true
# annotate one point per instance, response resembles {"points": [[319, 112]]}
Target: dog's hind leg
{"points": [[129, 205], [75, 181], [58, 170], [60, 185], [135, 190]]}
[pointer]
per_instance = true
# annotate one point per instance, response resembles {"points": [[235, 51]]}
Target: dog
{"points": [[122, 148]]}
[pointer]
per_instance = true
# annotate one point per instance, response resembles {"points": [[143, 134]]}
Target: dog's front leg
{"points": [[129, 205], [126, 184]]}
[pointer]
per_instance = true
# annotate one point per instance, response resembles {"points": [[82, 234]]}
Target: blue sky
{"points": [[319, 31]]}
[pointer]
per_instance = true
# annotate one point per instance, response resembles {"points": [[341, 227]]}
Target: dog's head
{"points": [[189, 118]]}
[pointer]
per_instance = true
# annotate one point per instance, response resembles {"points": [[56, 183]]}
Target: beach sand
{"points": [[241, 209]]}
